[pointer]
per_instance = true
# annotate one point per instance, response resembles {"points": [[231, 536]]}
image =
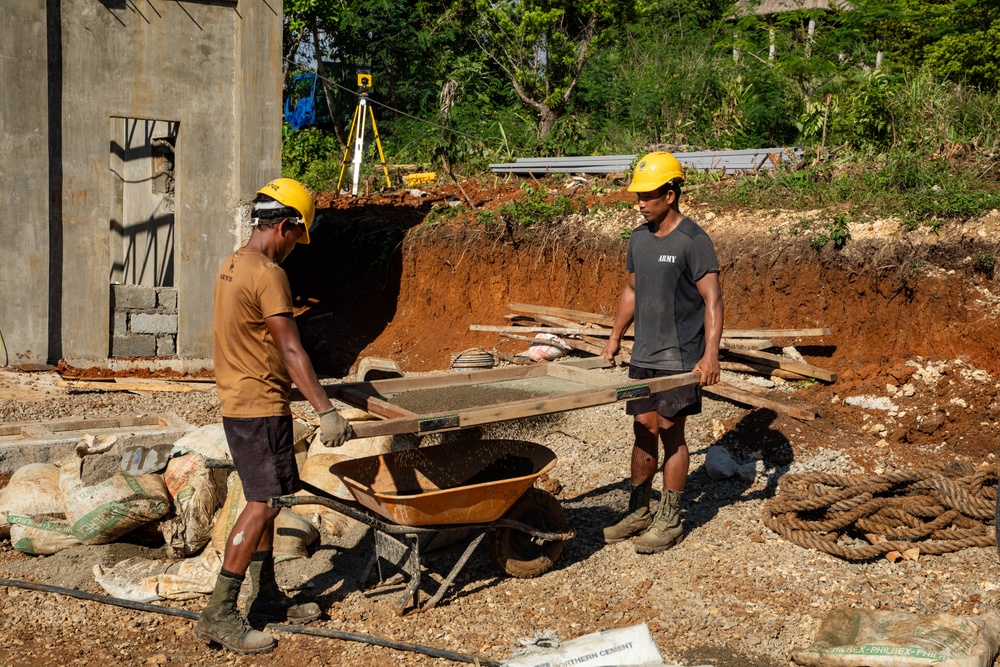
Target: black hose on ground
{"points": [[294, 629]]}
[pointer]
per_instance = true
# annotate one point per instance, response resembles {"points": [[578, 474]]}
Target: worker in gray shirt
{"points": [[674, 298]]}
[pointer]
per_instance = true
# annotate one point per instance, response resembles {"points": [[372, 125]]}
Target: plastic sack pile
{"points": [[47, 508]]}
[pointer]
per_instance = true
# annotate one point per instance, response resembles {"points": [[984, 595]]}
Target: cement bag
{"points": [[144, 580], [210, 441], [103, 512], [292, 533], [33, 490], [40, 536], [633, 645], [865, 638], [196, 494]]}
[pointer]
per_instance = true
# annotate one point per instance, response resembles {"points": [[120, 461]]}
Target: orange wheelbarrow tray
{"points": [[481, 487]]}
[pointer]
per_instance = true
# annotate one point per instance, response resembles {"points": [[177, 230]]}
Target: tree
{"points": [[543, 45]]}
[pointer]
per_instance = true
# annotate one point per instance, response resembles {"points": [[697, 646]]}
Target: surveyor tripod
{"points": [[358, 124]]}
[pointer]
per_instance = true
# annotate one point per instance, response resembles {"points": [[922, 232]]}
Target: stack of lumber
{"points": [[741, 350]]}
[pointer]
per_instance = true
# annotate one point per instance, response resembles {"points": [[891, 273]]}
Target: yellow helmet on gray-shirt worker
{"points": [[654, 171]]}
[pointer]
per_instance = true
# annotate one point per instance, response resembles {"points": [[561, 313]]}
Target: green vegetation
{"points": [[895, 102]]}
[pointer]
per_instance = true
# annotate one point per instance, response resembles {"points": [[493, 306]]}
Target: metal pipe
{"points": [[293, 629]]}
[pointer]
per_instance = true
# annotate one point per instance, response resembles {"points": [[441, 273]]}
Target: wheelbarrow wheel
{"points": [[516, 553]]}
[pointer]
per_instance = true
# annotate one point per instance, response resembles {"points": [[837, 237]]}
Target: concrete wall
{"points": [[24, 178], [190, 63]]}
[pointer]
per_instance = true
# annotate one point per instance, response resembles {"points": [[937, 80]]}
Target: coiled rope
{"points": [[937, 510]]}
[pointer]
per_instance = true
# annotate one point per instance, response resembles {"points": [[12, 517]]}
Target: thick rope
{"points": [[937, 510]]}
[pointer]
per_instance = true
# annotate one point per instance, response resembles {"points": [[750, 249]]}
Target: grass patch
{"points": [[911, 184]]}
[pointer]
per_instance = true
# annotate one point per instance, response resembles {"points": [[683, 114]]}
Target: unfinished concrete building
{"points": [[132, 131]]}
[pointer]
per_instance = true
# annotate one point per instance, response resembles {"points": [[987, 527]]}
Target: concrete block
{"points": [[165, 346], [146, 323], [133, 345], [119, 323], [134, 297], [166, 299]]}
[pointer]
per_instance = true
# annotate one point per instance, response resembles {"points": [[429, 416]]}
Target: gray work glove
{"points": [[334, 430]]}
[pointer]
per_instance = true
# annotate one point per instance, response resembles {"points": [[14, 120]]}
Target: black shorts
{"points": [[263, 450], [679, 402]]}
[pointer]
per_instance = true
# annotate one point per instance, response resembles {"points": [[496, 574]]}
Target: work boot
{"points": [[221, 622], [667, 529], [638, 517], [267, 601]]}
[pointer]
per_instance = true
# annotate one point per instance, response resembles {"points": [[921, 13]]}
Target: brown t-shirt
{"points": [[249, 374]]}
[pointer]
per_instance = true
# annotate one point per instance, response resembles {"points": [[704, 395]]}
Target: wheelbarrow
{"points": [[480, 490]]}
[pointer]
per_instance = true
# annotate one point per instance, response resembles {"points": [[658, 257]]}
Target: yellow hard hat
{"points": [[292, 194], [654, 170]]}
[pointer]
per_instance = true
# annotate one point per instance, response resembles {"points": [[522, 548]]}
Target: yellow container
{"points": [[422, 177]]}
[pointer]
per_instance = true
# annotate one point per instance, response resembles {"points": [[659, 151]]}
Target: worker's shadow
{"points": [[761, 454], [751, 440]]}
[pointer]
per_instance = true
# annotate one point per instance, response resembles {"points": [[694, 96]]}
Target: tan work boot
{"points": [[268, 602], [667, 529], [638, 517], [222, 623]]}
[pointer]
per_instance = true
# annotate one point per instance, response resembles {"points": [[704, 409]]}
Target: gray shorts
{"points": [[263, 452], [679, 402]]}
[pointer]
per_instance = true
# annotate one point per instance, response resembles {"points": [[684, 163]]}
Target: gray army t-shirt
{"points": [[669, 311]]}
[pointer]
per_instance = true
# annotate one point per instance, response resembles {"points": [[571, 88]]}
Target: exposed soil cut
{"points": [[916, 324]]}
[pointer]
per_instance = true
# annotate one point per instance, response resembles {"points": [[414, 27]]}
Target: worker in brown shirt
{"points": [[258, 354]]}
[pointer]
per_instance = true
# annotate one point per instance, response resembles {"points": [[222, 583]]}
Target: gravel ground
{"points": [[732, 593]]}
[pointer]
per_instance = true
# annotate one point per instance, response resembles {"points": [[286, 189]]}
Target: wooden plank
{"points": [[395, 385], [573, 331], [128, 385], [732, 393], [56, 425], [745, 344], [775, 361], [748, 367], [624, 345], [566, 313], [376, 406], [511, 359], [516, 409], [581, 375], [774, 333], [583, 346], [588, 362]]}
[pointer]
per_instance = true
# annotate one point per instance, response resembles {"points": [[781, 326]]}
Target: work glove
{"points": [[334, 430]]}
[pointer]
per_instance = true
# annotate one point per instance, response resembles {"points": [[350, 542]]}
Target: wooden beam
{"points": [[775, 361], [732, 393], [774, 333]]}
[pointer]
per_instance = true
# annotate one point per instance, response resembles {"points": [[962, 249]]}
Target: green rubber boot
{"points": [[638, 517], [222, 623], [667, 529], [267, 601]]}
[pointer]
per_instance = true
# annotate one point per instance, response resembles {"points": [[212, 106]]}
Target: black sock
{"points": [[232, 575], [263, 555]]}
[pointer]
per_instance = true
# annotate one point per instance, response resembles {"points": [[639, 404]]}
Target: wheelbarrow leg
{"points": [[454, 572]]}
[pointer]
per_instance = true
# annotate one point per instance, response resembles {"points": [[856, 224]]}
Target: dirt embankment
{"points": [[887, 299]]}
